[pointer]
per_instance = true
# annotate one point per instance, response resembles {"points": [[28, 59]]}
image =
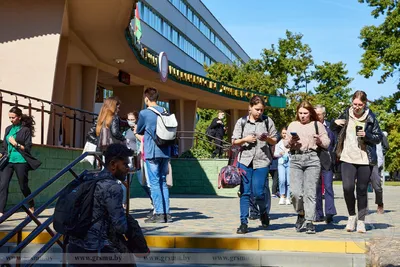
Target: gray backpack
{"points": [[165, 129]]}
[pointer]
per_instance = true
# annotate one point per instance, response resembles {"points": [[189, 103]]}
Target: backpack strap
{"points": [[316, 127], [243, 123], [154, 110]]}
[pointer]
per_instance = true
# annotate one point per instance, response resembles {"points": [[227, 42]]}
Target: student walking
{"points": [[305, 167], [255, 156], [358, 134]]}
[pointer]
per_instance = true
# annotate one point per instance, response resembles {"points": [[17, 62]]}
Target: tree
{"points": [[381, 43], [288, 63], [333, 89], [382, 52]]}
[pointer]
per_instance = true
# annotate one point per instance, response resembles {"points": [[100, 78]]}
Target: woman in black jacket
{"points": [[358, 134], [17, 144]]}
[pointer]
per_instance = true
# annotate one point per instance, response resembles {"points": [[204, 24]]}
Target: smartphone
{"points": [[293, 134], [359, 128]]}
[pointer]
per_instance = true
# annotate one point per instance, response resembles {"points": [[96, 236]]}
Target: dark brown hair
{"points": [[257, 100], [307, 105], [151, 94], [360, 95], [26, 120]]}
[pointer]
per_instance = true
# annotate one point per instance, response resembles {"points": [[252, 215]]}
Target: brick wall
{"points": [[190, 176]]}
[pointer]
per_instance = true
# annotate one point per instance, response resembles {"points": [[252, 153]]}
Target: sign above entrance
{"points": [[163, 66], [124, 77], [153, 61]]}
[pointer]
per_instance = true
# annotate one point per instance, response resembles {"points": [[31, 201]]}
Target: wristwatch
{"points": [[18, 145]]}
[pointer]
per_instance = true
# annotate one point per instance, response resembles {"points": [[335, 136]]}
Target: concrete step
{"points": [[214, 257]]}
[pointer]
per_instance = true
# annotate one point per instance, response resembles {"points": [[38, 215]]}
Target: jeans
{"points": [[351, 172], [253, 205], [284, 179], [329, 195], [377, 185], [304, 175], [252, 183], [157, 170]]}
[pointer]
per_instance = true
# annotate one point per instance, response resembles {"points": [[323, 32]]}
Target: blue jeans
{"points": [[284, 179], [329, 195], [252, 184], [157, 170]]}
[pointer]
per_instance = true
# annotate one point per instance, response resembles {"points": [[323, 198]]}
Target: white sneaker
{"points": [[361, 227], [282, 201], [351, 223], [288, 202]]}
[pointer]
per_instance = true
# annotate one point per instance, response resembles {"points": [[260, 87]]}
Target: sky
{"points": [[330, 27]]}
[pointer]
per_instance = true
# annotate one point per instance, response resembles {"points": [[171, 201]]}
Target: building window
{"points": [[169, 32], [200, 24]]}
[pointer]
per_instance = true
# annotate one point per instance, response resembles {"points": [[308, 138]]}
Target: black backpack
{"points": [[210, 132], [74, 208]]}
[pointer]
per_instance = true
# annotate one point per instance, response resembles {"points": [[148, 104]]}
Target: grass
{"points": [[387, 183]]}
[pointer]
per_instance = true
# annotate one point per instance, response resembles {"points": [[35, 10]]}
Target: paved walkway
{"points": [[214, 216]]}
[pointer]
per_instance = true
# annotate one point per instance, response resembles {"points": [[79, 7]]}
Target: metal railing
{"points": [[59, 116], [56, 238]]}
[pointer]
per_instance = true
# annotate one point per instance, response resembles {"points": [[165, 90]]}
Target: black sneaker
{"points": [[242, 229], [329, 219], [310, 228], [156, 218], [168, 218], [150, 213], [300, 223], [264, 220], [254, 217]]}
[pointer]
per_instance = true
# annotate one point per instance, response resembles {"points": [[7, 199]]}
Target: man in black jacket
{"points": [[217, 125]]}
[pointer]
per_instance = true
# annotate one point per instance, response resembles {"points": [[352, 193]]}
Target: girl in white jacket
{"points": [[282, 153]]}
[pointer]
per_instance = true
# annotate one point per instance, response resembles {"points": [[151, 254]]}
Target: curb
{"points": [[231, 243]]}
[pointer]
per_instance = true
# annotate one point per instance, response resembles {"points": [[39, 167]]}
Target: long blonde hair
{"points": [[107, 113]]}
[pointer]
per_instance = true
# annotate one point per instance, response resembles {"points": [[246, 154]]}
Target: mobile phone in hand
{"points": [[294, 134]]}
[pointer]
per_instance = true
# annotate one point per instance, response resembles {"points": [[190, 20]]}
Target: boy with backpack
{"points": [[97, 209], [159, 129]]}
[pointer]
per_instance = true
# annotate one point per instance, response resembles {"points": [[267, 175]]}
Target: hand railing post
{"points": [[63, 124], [16, 101], [83, 129], [29, 107], [42, 124], [73, 130], [53, 120]]}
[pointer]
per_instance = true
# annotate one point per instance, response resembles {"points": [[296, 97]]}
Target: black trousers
{"points": [[377, 185], [275, 182], [218, 146], [351, 172], [21, 169]]}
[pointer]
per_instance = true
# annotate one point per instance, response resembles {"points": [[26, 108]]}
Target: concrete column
{"points": [[231, 121], [29, 44], [61, 71], [188, 117], [131, 98]]}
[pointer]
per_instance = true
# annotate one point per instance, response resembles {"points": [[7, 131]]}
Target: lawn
{"points": [[387, 183]]}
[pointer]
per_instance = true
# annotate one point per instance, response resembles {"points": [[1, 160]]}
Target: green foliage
{"points": [[196, 152], [381, 46], [387, 113], [381, 43], [333, 89]]}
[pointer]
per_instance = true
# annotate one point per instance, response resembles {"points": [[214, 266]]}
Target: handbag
{"points": [[323, 154], [3, 161], [231, 176], [105, 138]]}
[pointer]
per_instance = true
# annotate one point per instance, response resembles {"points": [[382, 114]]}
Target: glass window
{"points": [[196, 21], [183, 8], [189, 15]]}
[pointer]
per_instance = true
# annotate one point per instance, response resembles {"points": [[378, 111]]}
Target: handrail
{"points": [[58, 115], [33, 216], [46, 101]]}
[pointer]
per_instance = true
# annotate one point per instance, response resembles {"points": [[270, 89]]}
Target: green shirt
{"points": [[13, 154]]}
